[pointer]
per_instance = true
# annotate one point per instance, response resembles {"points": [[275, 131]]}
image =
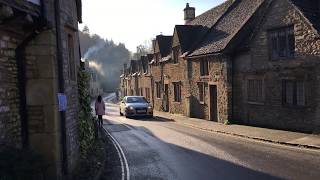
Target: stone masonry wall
{"points": [[10, 124], [304, 66], [69, 23], [177, 73], [156, 73], [219, 75]]}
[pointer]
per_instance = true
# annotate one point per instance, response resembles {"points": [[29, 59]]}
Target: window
{"points": [[204, 68], [255, 90], [177, 91], [282, 43], [158, 57], [148, 94], [293, 93], [201, 92], [158, 90], [72, 73], [189, 64], [175, 52]]}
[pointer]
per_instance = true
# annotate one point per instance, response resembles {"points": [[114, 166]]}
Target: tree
{"points": [[86, 30], [108, 55]]}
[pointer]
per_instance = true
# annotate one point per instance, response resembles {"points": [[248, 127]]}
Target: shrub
{"points": [[86, 119]]}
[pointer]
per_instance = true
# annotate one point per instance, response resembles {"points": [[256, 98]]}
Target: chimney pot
{"points": [[189, 13]]}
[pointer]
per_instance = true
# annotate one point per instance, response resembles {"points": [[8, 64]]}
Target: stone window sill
{"points": [[175, 102], [294, 106], [204, 77], [255, 103]]}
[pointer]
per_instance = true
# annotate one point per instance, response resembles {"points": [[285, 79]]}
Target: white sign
{"points": [[35, 1], [62, 98]]}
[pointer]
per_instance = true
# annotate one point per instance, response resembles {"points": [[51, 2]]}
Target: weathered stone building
{"points": [[276, 75], [39, 58], [247, 61], [162, 50]]}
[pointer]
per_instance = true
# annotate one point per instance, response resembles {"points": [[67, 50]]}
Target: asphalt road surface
{"points": [[159, 149]]}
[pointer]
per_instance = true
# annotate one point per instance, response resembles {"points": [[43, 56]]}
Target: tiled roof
{"points": [[165, 43], [188, 35], [24, 6], [227, 26], [210, 17]]}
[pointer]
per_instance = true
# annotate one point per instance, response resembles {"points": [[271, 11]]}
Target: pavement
{"points": [[263, 134]]}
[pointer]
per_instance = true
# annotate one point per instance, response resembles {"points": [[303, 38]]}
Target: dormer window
{"points": [[175, 54]]}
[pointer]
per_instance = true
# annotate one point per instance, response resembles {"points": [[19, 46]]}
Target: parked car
{"points": [[135, 106]]}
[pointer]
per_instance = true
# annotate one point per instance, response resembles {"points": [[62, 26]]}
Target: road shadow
{"points": [[155, 118], [156, 158]]}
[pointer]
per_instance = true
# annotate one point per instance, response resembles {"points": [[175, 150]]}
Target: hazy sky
{"points": [[134, 22]]}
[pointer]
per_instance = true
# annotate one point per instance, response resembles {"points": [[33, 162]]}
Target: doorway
{"points": [[166, 98], [213, 103]]}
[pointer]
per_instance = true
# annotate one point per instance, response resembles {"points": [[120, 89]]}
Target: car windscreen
{"points": [[136, 100]]}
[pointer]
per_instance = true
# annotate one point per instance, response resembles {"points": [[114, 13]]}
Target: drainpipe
{"points": [[61, 87], [21, 76]]}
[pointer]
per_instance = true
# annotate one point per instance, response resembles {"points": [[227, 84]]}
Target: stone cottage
{"points": [[39, 58], [251, 62], [162, 49], [257, 65]]}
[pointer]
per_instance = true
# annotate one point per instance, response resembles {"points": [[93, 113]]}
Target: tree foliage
{"points": [[109, 55]]}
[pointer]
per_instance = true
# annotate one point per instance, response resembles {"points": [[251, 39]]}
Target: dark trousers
{"points": [[100, 121]]}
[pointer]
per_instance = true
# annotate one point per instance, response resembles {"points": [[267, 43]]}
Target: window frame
{"points": [[255, 90], [71, 56], [204, 67], [177, 92], [158, 90], [294, 93], [175, 54], [202, 92], [275, 46]]}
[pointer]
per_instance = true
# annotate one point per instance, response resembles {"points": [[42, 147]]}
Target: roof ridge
{"points": [[218, 20]]}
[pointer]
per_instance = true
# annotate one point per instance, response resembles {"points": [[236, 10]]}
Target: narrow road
{"points": [[158, 149]]}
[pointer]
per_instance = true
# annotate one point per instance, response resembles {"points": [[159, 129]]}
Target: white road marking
{"points": [[123, 159]]}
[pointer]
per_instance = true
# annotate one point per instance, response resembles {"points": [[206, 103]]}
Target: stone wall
{"points": [[256, 63], [10, 122], [69, 23], [220, 76], [156, 74], [177, 73]]}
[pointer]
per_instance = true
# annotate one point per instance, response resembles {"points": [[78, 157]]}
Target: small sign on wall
{"points": [[62, 98]]}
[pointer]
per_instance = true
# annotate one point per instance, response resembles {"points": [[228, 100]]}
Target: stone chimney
{"points": [[125, 68], [189, 13]]}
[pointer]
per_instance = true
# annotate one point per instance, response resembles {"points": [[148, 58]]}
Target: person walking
{"points": [[100, 110]]}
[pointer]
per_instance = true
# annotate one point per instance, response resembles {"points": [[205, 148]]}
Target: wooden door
{"points": [[213, 103]]}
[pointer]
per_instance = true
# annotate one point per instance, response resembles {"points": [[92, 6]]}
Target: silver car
{"points": [[132, 106]]}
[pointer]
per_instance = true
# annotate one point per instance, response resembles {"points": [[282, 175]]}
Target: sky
{"points": [[135, 22]]}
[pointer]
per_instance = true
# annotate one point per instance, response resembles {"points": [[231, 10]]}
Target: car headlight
{"points": [[130, 108]]}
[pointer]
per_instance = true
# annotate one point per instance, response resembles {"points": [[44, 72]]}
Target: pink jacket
{"points": [[100, 108]]}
